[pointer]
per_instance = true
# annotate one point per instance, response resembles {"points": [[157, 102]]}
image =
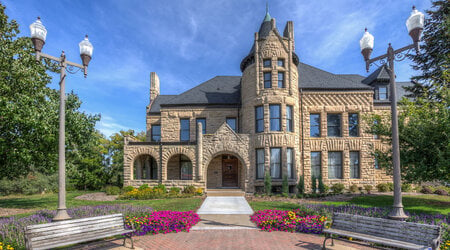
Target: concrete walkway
{"points": [[225, 205]]}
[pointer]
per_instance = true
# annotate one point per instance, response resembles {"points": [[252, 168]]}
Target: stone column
{"points": [[199, 152]]}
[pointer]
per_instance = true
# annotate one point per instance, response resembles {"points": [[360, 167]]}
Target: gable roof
{"points": [[381, 75], [312, 78], [220, 90]]}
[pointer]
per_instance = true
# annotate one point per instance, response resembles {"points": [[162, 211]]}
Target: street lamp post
{"points": [[415, 26], [38, 35]]}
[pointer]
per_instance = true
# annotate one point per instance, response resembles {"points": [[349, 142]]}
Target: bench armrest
{"points": [[325, 225]]}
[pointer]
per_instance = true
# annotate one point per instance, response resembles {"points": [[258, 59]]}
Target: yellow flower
{"points": [[350, 238]]}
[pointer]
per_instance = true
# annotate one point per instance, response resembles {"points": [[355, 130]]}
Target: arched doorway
{"points": [[145, 167], [225, 171], [179, 167]]}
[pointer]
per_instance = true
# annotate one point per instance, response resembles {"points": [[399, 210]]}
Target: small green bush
{"points": [[162, 187], [426, 190], [189, 190], [338, 188], [353, 188], [143, 187], [285, 186], [32, 184], [368, 188], [128, 189], [301, 185], [112, 190], [406, 187], [326, 189], [321, 185], [313, 185], [174, 190], [382, 187], [268, 184], [390, 186]]}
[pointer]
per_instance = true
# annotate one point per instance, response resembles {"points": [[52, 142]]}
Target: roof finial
{"points": [[267, 18], [267, 7]]}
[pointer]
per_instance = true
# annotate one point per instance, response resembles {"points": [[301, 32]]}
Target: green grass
{"points": [[413, 203], [49, 201]]}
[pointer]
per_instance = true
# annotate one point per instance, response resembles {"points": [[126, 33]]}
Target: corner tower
{"points": [[270, 103]]}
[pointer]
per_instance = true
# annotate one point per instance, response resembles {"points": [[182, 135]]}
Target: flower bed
{"points": [[289, 221], [163, 222]]}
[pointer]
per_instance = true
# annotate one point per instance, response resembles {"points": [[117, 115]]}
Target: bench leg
{"points": [[131, 240], [325, 240]]}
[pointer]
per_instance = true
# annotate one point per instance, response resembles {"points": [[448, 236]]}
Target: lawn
{"points": [[412, 203], [49, 201]]}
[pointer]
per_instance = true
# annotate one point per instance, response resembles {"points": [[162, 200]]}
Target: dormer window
{"points": [[382, 93], [280, 62], [267, 63]]}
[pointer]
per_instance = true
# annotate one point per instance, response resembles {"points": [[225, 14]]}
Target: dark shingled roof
{"points": [[379, 75], [161, 99], [311, 78], [220, 90], [353, 77]]}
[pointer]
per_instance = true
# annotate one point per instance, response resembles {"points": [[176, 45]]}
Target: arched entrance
{"points": [[145, 167], [225, 171]]}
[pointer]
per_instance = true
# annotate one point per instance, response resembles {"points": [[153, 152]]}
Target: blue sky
{"points": [[189, 42]]}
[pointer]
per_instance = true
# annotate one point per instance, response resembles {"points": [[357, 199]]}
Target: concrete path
{"points": [[225, 205]]}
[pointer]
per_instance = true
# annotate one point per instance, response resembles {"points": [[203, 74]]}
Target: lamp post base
{"points": [[397, 213], [61, 214]]}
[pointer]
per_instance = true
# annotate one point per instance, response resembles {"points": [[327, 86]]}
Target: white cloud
{"points": [[108, 126]]}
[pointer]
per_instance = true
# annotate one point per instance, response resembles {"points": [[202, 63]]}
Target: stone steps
{"points": [[224, 192]]}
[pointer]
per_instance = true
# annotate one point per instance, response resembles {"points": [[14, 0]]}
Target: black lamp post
{"points": [[415, 26], [38, 35]]}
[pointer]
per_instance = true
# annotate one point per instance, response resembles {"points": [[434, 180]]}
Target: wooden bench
{"points": [[386, 232], [63, 233]]}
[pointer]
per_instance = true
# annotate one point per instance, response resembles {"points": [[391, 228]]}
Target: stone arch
{"points": [[168, 153], [242, 174], [135, 152]]}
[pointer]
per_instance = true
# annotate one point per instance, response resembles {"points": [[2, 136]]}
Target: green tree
{"points": [[321, 186], [434, 58], [268, 184], [301, 185], [285, 186], [29, 110], [313, 184]]}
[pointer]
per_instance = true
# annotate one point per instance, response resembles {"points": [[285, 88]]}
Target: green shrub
{"points": [[32, 184], [199, 191], [143, 187], [112, 190], [321, 185], [313, 185], [390, 186], [382, 187], [162, 187], [368, 188], [338, 188], [441, 192], [353, 188], [128, 189], [406, 187], [189, 190], [426, 190], [285, 186], [326, 189], [301, 185], [268, 184], [174, 190]]}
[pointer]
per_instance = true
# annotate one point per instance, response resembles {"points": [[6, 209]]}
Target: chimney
{"points": [[154, 86]]}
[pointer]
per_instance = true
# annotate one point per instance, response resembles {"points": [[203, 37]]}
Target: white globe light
{"points": [[37, 30], [415, 20], [86, 47], [366, 41]]}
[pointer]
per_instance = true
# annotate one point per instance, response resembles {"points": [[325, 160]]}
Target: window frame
{"points": [[350, 125], [188, 129], [152, 134], [259, 119], [280, 60], [330, 167], [289, 120], [267, 82], [281, 73], [353, 165], [275, 118], [290, 163], [203, 125], [316, 165], [318, 125], [259, 175], [339, 125], [268, 65], [276, 164], [235, 129], [385, 93]]}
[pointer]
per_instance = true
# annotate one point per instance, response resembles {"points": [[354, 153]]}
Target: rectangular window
{"points": [[267, 80], [280, 62], [314, 125], [275, 117], [354, 164], [280, 79], [275, 163], [260, 163], [334, 165], [259, 119], [382, 93], [334, 125], [376, 136], [156, 132], [184, 130], [290, 162], [267, 63], [376, 164], [231, 121], [289, 126], [316, 164], [203, 122], [353, 125]]}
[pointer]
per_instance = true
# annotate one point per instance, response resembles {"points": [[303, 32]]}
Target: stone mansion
{"points": [[281, 117]]}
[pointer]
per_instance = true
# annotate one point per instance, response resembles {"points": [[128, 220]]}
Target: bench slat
{"points": [[73, 231], [385, 221], [375, 239], [75, 240], [50, 228], [381, 224], [98, 218]]}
